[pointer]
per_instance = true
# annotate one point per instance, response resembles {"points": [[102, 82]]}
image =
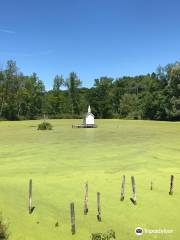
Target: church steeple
{"points": [[89, 109]]}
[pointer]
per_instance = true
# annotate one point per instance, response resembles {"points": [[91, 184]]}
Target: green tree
{"points": [[58, 83], [73, 83], [130, 106], [173, 90], [100, 97]]}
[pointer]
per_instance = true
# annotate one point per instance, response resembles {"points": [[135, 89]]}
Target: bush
{"points": [[44, 126], [3, 230], [110, 235]]}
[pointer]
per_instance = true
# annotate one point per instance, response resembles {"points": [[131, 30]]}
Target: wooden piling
{"points": [[30, 196], [99, 217], [171, 185], [151, 187], [133, 199], [72, 211], [123, 188], [86, 199]]}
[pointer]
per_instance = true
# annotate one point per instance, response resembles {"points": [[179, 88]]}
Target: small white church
{"points": [[88, 121], [89, 117]]}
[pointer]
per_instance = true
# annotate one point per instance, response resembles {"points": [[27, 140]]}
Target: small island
{"points": [[88, 121]]}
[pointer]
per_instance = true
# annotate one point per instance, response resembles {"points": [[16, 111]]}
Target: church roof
{"points": [[89, 113]]}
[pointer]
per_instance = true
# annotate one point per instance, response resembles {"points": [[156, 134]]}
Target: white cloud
{"points": [[7, 31]]}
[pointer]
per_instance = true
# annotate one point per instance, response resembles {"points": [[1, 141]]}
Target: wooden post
{"points": [[99, 207], [30, 196], [86, 199], [151, 187], [73, 227], [171, 185], [122, 188], [133, 199]]}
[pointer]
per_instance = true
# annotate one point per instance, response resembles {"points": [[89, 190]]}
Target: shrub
{"points": [[110, 235], [3, 230], [44, 126]]}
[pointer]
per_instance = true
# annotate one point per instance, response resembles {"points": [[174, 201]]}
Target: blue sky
{"points": [[93, 38]]}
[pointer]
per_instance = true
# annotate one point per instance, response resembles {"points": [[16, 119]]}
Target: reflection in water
{"points": [[90, 134]]}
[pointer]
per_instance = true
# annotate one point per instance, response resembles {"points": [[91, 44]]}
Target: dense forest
{"points": [[153, 96]]}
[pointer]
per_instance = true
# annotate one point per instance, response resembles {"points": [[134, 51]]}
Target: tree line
{"points": [[154, 96]]}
